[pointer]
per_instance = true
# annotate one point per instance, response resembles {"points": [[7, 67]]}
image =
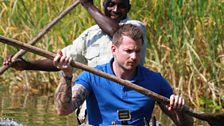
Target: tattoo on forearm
{"points": [[79, 95], [68, 97], [63, 93]]}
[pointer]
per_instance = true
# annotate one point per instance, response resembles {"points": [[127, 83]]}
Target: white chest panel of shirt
{"points": [[99, 51]]}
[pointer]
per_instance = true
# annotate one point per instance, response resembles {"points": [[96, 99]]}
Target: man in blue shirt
{"points": [[104, 97]]}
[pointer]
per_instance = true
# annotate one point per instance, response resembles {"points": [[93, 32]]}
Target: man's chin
{"points": [[130, 68]]}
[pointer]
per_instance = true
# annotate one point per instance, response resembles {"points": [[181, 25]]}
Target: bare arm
{"points": [[108, 25], [175, 113], [21, 64], [67, 99], [63, 97], [44, 65]]}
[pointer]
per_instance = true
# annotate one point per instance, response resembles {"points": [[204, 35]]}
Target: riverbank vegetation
{"points": [[185, 43]]}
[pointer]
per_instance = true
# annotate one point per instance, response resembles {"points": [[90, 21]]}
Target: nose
{"points": [[115, 8], [133, 56]]}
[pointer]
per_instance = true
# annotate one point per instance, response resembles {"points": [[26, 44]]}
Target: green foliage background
{"points": [[185, 42]]}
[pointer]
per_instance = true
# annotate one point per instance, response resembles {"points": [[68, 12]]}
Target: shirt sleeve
{"points": [[143, 52], [166, 89], [84, 80], [76, 49]]}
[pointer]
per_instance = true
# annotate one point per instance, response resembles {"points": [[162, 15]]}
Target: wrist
{"points": [[66, 76]]}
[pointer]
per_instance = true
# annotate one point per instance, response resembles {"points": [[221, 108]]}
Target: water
{"points": [[20, 108]]}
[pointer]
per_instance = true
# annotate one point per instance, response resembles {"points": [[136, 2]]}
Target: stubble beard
{"points": [[127, 67]]}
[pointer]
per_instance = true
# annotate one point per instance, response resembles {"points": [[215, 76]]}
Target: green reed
{"points": [[185, 41]]}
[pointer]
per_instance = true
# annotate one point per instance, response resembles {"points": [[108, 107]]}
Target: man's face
{"points": [[116, 9], [127, 54]]}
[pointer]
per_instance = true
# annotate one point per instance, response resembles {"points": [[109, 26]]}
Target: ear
{"points": [[113, 48]]}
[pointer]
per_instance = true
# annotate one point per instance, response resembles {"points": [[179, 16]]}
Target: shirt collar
{"points": [[109, 67], [139, 75]]}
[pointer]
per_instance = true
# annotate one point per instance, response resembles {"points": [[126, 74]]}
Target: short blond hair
{"points": [[129, 30]]}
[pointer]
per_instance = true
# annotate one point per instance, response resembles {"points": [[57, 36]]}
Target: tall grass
{"points": [[186, 46], [185, 42]]}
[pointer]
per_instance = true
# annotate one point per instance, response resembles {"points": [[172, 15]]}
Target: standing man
{"points": [[92, 47], [104, 97]]}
